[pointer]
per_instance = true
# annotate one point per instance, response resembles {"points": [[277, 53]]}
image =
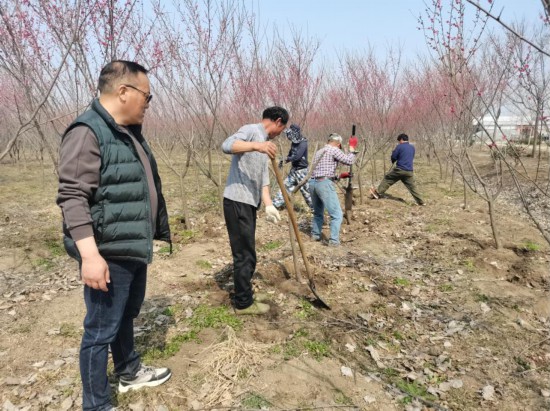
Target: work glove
{"points": [[345, 175], [272, 215]]}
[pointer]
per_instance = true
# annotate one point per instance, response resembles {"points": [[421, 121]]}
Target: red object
{"points": [[344, 175], [353, 142]]}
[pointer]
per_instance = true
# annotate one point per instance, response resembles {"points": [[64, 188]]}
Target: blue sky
{"points": [[353, 24]]}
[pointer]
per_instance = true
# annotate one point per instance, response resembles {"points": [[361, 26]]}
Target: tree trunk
{"points": [[492, 217]]}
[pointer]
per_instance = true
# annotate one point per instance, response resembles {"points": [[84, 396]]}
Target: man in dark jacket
{"points": [[297, 155], [403, 158], [111, 198]]}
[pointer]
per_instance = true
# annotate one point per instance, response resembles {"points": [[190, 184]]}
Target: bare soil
{"points": [[425, 312]]}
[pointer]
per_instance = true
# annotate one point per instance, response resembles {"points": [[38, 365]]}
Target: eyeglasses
{"points": [[148, 96]]}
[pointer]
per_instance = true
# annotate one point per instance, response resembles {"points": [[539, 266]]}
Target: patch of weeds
{"points": [[398, 336], [210, 198], [276, 349], [243, 374], [402, 281], [531, 246], [481, 298], [469, 264], [271, 245], [306, 310], [69, 330], [22, 329], [430, 228], [185, 235], [164, 250], [370, 341], [44, 263], [291, 350], [342, 399], [55, 248], [318, 349], [446, 288], [172, 310], [255, 401], [523, 365], [302, 332], [414, 389], [390, 372], [205, 265], [171, 348], [214, 317]]}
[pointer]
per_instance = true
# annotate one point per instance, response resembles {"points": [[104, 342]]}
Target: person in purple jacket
{"points": [[403, 158]]}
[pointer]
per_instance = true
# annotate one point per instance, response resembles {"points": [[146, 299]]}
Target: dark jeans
{"points": [[110, 321], [240, 220], [407, 177]]}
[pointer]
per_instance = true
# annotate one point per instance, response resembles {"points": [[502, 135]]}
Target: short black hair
{"points": [[402, 137], [115, 71], [274, 113]]}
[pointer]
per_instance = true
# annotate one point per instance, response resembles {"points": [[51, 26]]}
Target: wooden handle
{"points": [[292, 216]]}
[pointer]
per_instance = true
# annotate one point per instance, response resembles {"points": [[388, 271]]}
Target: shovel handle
{"points": [[292, 217]]}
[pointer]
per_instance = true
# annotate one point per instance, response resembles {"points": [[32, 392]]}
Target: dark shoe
{"points": [[145, 377], [421, 204], [255, 309], [374, 193], [333, 244], [315, 238]]}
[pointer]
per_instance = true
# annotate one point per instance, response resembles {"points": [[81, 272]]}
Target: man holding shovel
{"points": [[323, 191], [247, 186], [403, 158]]}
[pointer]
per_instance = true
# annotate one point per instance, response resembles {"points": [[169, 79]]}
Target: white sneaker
{"points": [[145, 377]]}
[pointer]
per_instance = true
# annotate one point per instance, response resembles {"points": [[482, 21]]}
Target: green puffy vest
{"points": [[120, 207]]}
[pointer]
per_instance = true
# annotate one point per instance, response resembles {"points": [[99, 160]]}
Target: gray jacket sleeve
{"points": [[79, 165]]}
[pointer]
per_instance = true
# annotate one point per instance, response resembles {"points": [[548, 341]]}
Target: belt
{"points": [[322, 178]]}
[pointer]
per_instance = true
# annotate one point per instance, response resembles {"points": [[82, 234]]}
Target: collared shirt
{"points": [[248, 173], [331, 156]]}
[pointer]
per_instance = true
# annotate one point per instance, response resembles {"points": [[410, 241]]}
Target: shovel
{"points": [[297, 233]]}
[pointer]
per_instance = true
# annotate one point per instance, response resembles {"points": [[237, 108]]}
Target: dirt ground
{"points": [[425, 312]]}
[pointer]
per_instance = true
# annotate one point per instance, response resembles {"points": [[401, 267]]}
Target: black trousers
{"points": [[240, 219]]}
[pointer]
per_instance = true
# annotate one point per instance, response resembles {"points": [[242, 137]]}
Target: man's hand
{"points": [[345, 175], [95, 272], [267, 147], [272, 215]]}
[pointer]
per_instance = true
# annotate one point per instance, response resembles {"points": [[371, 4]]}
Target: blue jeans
{"points": [[323, 195], [110, 321]]}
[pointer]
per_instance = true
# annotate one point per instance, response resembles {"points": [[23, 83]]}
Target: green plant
{"points": [[68, 330], [172, 310], [164, 250], [531, 246], [446, 288], [342, 399], [402, 281], [523, 365], [55, 248], [469, 264], [481, 298], [214, 317], [398, 336], [318, 349], [271, 245], [414, 389], [255, 401], [171, 348], [306, 310], [205, 265], [291, 350], [43, 263]]}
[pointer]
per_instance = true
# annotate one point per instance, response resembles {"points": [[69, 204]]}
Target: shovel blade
{"points": [[319, 301]]}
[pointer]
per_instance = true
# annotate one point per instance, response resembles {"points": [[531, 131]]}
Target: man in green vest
{"points": [[111, 198]]}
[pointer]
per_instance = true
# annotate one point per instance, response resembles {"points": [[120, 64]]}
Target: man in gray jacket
{"points": [[247, 186], [111, 198]]}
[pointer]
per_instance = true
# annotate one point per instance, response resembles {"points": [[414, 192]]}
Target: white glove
{"points": [[272, 215]]}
